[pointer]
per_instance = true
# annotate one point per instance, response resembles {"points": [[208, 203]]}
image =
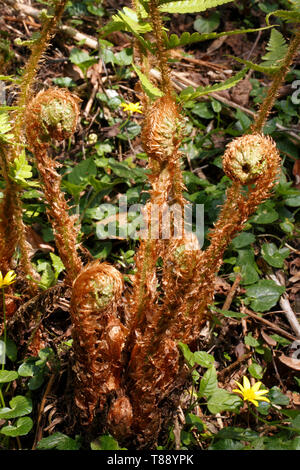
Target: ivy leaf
{"points": [[264, 295], [58, 441], [21, 428], [190, 6], [248, 266], [19, 406], [222, 400], [8, 376], [242, 240], [274, 256]]}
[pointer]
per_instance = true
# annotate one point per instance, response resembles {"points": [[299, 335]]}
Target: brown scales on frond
{"points": [[98, 337], [53, 114]]}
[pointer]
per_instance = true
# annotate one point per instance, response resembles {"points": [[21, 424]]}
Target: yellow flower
{"points": [[8, 279], [252, 394], [131, 108]]}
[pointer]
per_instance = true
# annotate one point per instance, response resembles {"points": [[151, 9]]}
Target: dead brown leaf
{"points": [[240, 93], [291, 362]]}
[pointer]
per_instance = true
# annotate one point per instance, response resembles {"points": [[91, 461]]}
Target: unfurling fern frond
{"points": [[189, 6]]}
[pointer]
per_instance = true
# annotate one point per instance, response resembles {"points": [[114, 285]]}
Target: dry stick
{"points": [[286, 307], [41, 410], [231, 293], [231, 367], [271, 325]]}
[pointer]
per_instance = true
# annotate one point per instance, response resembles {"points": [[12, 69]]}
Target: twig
{"points": [[286, 307], [38, 434], [231, 367], [231, 293], [271, 325]]}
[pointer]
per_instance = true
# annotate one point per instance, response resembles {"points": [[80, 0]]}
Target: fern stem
{"points": [[273, 90], [37, 52], [162, 55]]}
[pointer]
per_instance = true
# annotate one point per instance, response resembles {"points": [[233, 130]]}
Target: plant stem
{"points": [[4, 324]]}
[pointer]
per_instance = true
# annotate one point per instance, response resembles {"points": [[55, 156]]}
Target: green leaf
{"points": [[247, 265], [250, 341], [191, 93], [207, 25], [229, 313], [222, 400], [242, 240], [11, 350], [265, 214], [19, 406], [105, 442], [209, 382], [204, 359], [58, 441], [194, 421], [264, 295], [190, 6], [274, 256], [21, 428], [187, 354], [256, 371], [28, 368], [151, 90], [82, 171], [8, 376], [277, 397], [57, 264]]}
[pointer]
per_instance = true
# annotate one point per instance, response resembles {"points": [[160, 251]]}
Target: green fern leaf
{"points": [[151, 90], [191, 94], [187, 38], [190, 6], [277, 49], [5, 128], [288, 16], [20, 171], [259, 68]]}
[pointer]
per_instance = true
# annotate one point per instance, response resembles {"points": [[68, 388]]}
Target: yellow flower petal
{"points": [[246, 383], [254, 402], [256, 387], [237, 391], [263, 399]]}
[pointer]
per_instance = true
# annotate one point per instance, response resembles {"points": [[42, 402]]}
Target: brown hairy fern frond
{"points": [[53, 114], [98, 338], [12, 228]]}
